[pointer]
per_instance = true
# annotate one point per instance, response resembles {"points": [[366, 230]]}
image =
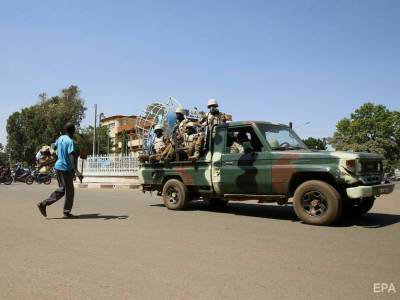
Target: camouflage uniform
{"points": [[207, 122], [191, 142], [160, 145], [178, 137], [211, 120]]}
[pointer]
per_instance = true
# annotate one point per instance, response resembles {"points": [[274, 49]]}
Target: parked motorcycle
{"points": [[6, 178], [20, 174], [38, 177], [389, 177]]}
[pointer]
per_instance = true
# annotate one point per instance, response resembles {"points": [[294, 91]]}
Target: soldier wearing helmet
{"points": [[191, 139], [178, 135], [159, 148], [213, 117]]}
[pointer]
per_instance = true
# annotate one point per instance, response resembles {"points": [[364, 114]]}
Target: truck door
{"points": [[241, 172]]}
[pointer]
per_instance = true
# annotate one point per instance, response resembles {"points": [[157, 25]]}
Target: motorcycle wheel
{"points": [[8, 180], [29, 180], [47, 181]]}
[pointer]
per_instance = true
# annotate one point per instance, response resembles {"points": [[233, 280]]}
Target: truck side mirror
{"points": [[248, 147]]}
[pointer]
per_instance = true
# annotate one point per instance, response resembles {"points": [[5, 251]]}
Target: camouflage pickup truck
{"points": [[270, 163]]}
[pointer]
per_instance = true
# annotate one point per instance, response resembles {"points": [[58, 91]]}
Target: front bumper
{"points": [[369, 191]]}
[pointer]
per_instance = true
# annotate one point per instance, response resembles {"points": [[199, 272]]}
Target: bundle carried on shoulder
{"points": [[45, 159]]}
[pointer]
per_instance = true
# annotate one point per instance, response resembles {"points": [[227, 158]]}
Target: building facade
{"points": [[122, 134]]}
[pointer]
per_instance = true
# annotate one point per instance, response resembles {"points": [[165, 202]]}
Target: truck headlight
{"points": [[353, 165]]}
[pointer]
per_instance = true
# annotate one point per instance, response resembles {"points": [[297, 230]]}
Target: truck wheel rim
{"points": [[173, 195], [314, 203]]}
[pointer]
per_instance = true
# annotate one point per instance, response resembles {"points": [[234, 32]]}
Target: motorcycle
{"points": [[389, 177], [38, 177], [6, 178], [20, 174]]}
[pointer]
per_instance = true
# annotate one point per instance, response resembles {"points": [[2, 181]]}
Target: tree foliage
{"points": [[315, 143], [370, 128], [43, 122], [123, 138], [3, 156], [85, 140]]}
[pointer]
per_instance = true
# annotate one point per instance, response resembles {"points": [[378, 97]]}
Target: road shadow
{"points": [[245, 209], [94, 216], [370, 220]]}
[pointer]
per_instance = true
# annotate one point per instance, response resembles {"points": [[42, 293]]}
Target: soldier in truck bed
{"points": [[178, 135], [213, 117], [159, 147], [191, 139]]}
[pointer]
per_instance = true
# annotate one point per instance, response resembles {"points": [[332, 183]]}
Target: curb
{"points": [[106, 186]]}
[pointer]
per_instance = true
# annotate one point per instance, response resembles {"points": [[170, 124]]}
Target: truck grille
{"points": [[371, 166]]}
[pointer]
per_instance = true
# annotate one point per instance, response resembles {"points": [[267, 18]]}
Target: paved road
{"points": [[127, 245]]}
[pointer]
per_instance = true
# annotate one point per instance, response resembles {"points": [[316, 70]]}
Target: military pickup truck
{"points": [[273, 165]]}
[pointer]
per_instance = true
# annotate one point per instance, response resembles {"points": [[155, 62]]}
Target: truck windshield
{"points": [[281, 137]]}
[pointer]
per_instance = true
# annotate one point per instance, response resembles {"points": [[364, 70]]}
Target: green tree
{"points": [[123, 138], [3, 156], [85, 140], [370, 128], [315, 143], [42, 123]]}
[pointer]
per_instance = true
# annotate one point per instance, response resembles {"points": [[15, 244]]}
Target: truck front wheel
{"points": [[175, 195], [317, 202]]}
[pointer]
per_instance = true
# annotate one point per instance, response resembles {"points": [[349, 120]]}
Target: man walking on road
{"points": [[65, 167]]}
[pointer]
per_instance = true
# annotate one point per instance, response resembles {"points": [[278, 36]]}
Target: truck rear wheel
{"points": [[317, 202], [175, 195]]}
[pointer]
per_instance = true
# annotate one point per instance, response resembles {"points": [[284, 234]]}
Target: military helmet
{"points": [[158, 127], [212, 102], [180, 110]]}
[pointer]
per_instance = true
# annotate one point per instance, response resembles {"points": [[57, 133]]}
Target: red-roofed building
{"points": [[122, 133]]}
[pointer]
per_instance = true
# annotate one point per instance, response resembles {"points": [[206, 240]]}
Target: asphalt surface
{"points": [[126, 245]]}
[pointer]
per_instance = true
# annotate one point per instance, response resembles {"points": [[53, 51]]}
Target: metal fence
{"points": [[109, 165]]}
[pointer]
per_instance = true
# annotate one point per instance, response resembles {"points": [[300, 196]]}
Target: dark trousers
{"points": [[66, 187]]}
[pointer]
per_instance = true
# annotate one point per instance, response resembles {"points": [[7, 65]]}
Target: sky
{"points": [[280, 61]]}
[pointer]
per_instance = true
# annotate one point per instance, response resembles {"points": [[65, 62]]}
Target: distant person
{"points": [[65, 167]]}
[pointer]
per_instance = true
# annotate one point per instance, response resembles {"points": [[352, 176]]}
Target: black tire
{"points": [[175, 195], [359, 207], [317, 202], [47, 181], [8, 180], [217, 203], [29, 180]]}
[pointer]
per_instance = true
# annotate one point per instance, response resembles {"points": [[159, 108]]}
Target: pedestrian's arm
{"points": [[73, 159], [74, 164]]}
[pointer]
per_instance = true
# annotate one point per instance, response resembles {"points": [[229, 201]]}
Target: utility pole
{"points": [[94, 130]]}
